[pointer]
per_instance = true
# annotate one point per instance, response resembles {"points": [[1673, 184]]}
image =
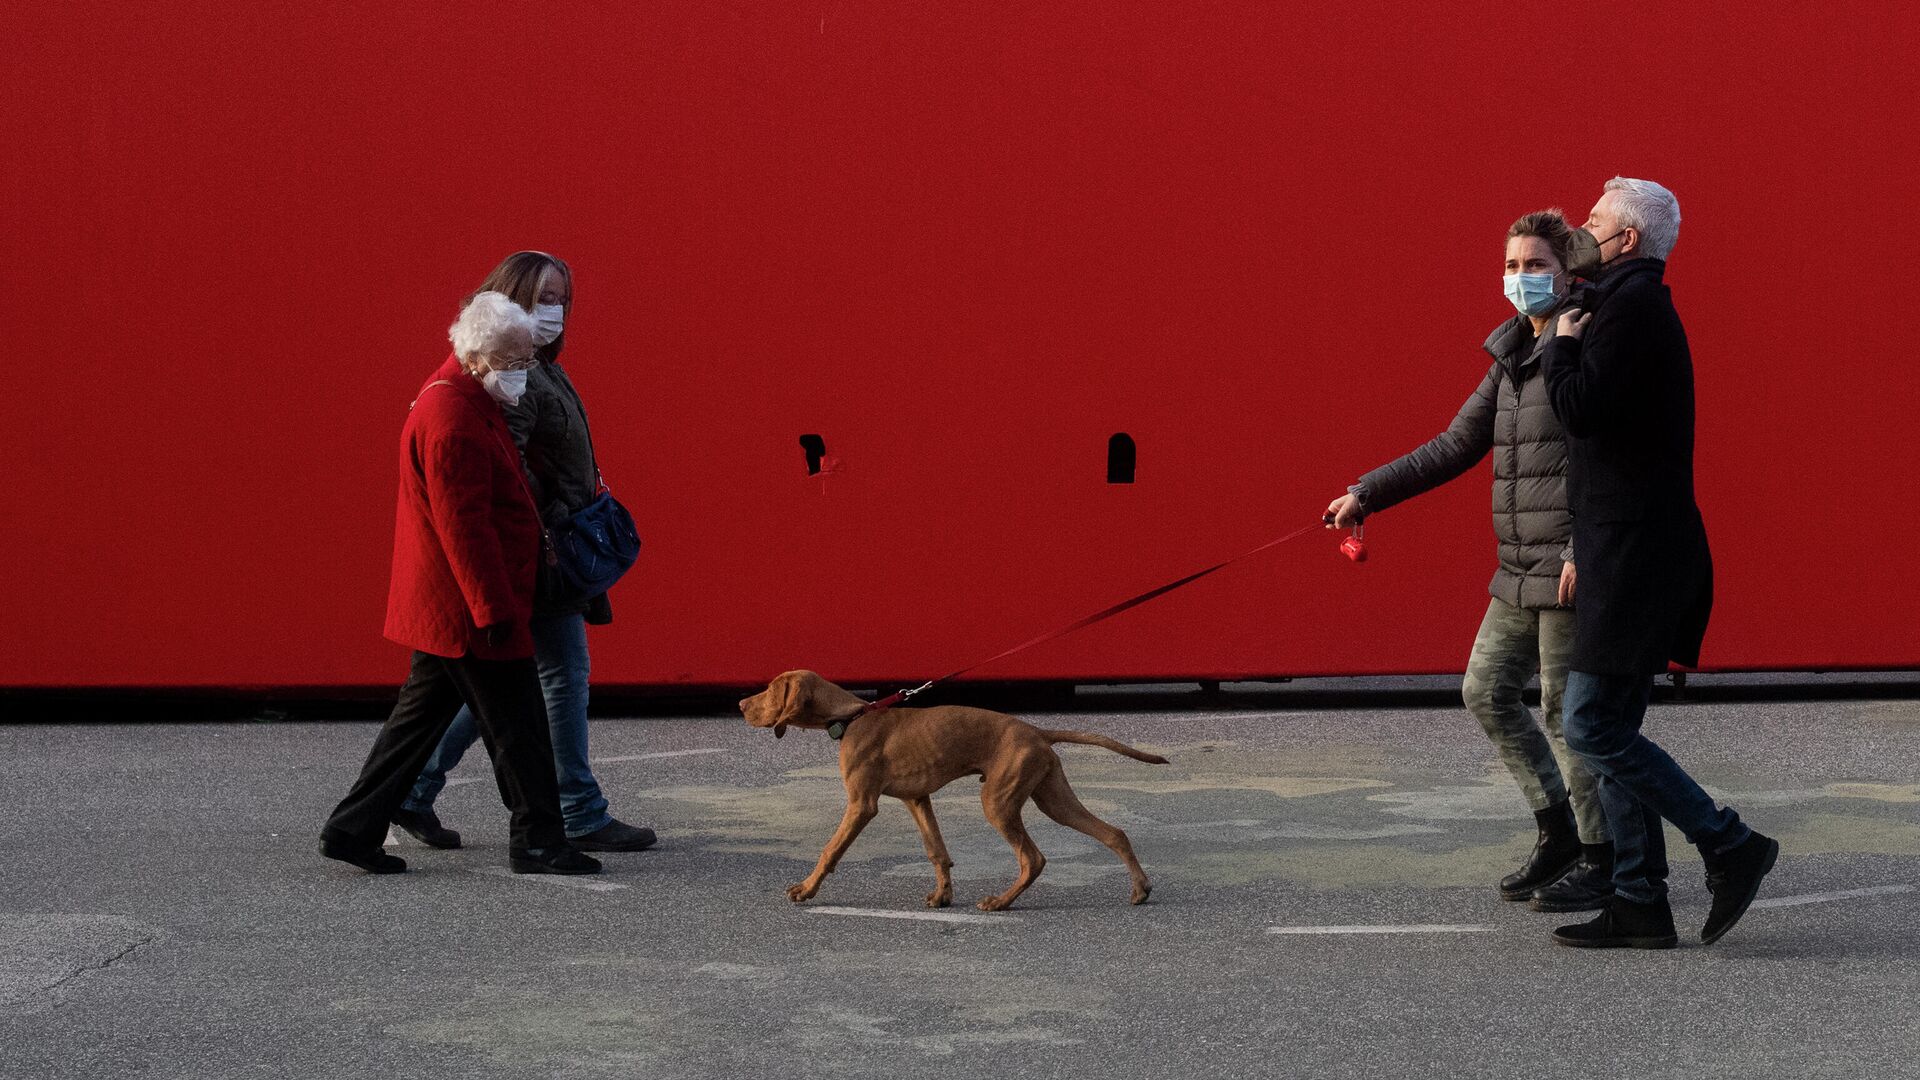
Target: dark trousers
{"points": [[1640, 784], [506, 702]]}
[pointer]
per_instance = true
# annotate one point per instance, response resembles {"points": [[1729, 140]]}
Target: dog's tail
{"points": [[1088, 739]]}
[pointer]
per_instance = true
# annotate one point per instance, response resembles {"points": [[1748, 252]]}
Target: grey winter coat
{"points": [[1509, 415], [550, 425]]}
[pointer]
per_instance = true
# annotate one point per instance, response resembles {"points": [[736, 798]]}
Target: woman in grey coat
{"points": [[1529, 621]]}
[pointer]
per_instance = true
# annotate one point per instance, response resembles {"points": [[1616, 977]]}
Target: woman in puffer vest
{"points": [[1529, 621]]}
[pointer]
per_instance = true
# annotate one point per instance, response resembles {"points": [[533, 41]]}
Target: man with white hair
{"points": [[1620, 378]]}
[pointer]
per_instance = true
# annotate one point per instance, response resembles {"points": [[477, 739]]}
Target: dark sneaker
{"points": [[373, 860], [1623, 924], [425, 827], [615, 836], [553, 860], [1734, 879], [1587, 887]]}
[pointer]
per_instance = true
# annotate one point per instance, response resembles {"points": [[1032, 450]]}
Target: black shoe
{"points": [[1623, 924], [552, 860], [1587, 887], [425, 827], [1734, 879], [1553, 854], [373, 860], [615, 836]]}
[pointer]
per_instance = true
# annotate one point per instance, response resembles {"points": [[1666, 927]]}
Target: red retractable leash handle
{"points": [[1353, 547]]}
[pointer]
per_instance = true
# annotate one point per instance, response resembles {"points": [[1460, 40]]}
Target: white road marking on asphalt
{"points": [[392, 840], [1420, 928], [1828, 897], [924, 916], [661, 754], [565, 881]]}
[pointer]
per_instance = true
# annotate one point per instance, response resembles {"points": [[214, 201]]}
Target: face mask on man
{"points": [[1532, 294], [505, 386], [548, 321], [1584, 257]]}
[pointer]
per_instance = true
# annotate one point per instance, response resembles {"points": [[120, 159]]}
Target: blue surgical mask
{"points": [[1533, 294]]}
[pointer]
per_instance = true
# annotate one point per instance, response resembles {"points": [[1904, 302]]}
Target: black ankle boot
{"points": [[1587, 887], [1734, 879], [1623, 924], [1553, 854]]}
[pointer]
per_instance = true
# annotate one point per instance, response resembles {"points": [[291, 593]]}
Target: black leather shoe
{"points": [[373, 860], [552, 860], [1623, 924], [615, 836], [1587, 887], [1734, 879], [425, 827], [1553, 854]]}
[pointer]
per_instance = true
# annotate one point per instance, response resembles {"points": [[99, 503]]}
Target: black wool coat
{"points": [[1624, 394]]}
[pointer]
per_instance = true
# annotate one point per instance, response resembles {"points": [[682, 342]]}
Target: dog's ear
{"points": [[828, 704], [792, 700]]}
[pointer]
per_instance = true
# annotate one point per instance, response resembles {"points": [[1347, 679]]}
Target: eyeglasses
{"points": [[504, 363]]}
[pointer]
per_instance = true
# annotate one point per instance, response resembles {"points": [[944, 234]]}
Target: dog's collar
{"points": [[838, 729]]}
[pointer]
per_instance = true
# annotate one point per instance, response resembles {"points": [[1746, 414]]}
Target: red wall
{"points": [[964, 242]]}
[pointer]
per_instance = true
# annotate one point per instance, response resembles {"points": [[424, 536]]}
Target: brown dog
{"points": [[912, 753]]}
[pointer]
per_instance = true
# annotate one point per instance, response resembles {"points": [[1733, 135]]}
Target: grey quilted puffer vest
{"points": [[1508, 416]]}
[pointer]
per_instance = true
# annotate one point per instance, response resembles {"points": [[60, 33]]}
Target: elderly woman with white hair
{"points": [[466, 548]]}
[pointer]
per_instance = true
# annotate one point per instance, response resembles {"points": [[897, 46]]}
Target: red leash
{"points": [[839, 728]]}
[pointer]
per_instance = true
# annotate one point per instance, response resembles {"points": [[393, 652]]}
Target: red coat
{"points": [[466, 537]]}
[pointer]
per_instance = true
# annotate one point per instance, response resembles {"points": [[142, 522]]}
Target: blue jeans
{"points": [[560, 652], [1640, 784]]}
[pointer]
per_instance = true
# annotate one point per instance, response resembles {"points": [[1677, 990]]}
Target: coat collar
{"points": [[451, 372], [1615, 276], [1513, 343]]}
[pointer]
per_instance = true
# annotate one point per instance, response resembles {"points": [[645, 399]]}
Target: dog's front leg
{"points": [[922, 809], [859, 812]]}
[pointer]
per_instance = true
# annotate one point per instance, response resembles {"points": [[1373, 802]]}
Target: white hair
{"points": [[488, 322], [1649, 209]]}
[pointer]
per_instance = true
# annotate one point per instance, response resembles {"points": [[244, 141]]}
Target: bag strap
{"points": [[599, 478], [547, 548]]}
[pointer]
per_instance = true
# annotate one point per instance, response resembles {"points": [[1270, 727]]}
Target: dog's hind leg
{"points": [[1003, 797], [1056, 799], [859, 812], [922, 811]]}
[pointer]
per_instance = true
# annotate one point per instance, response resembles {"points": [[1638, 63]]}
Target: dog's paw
{"points": [[940, 898], [1141, 892], [992, 903], [801, 892]]}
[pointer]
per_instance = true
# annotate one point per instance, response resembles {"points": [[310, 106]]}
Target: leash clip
{"points": [[838, 728]]}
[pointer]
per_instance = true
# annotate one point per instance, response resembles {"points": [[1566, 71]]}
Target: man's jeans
{"points": [[560, 650], [1640, 784]]}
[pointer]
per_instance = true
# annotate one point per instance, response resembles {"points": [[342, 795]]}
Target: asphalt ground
{"points": [[164, 913]]}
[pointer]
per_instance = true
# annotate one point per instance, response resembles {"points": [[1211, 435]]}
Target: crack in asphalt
{"points": [[50, 989]]}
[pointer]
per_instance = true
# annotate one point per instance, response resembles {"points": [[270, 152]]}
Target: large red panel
{"points": [[964, 242]]}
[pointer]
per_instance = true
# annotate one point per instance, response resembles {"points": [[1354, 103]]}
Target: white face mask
{"points": [[548, 321], [505, 386]]}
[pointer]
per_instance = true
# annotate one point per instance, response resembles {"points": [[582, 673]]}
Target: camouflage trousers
{"points": [[1513, 643]]}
